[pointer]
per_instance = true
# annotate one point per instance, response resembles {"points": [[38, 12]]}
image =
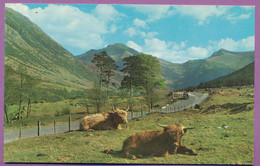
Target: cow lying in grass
{"points": [[104, 121], [157, 143]]}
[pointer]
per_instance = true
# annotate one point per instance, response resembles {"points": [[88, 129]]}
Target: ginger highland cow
{"points": [[104, 121], [157, 143]]}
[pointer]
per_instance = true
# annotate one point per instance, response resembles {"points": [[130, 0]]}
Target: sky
{"points": [[176, 33]]}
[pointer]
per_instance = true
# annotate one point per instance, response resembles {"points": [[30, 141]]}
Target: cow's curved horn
{"points": [[186, 128], [127, 108], [113, 108], [164, 126]]}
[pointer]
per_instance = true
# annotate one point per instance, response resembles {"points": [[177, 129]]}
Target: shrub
{"points": [[66, 111]]}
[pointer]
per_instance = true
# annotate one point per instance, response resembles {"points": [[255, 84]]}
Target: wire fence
{"points": [[69, 125], [167, 109]]}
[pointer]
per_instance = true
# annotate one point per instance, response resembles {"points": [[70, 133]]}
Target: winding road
{"points": [[194, 98]]}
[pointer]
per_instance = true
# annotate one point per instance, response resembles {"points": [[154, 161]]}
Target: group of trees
{"points": [[23, 90], [19, 88], [142, 73]]}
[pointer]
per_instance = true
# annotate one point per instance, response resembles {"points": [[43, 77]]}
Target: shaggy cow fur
{"points": [[105, 121], [157, 143]]}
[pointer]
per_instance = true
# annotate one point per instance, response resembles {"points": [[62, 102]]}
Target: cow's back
{"points": [[88, 122]]}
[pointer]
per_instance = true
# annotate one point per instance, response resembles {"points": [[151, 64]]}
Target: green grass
{"points": [[234, 145], [50, 111]]}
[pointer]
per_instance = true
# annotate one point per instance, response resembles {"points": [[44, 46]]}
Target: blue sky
{"points": [[170, 32]]}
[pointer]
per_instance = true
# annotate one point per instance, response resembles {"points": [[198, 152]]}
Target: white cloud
{"points": [[153, 12], [202, 13], [155, 47], [248, 7], [107, 13], [18, 7], [133, 31], [135, 46], [195, 53], [173, 52], [234, 18], [139, 23], [180, 52], [246, 44], [71, 27]]}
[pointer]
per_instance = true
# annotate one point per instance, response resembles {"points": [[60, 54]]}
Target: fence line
{"points": [[169, 109], [61, 128]]}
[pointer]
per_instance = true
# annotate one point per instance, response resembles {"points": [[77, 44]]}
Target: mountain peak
{"points": [[220, 52], [117, 45]]}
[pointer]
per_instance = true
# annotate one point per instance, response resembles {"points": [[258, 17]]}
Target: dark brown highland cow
{"points": [[104, 121], [157, 143]]}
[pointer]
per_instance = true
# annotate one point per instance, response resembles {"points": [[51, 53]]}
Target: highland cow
{"points": [[157, 143], [104, 121]]}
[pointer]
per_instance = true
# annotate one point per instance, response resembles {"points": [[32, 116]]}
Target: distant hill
{"points": [[117, 51], [27, 44], [244, 76], [194, 72], [190, 73]]}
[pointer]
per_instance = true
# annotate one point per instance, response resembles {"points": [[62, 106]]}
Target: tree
{"points": [[99, 61], [96, 97], [10, 94], [144, 73], [31, 92], [21, 89], [131, 71], [109, 68]]}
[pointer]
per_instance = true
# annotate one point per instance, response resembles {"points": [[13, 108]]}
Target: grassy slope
{"points": [[234, 145], [27, 44], [244, 76], [221, 63]]}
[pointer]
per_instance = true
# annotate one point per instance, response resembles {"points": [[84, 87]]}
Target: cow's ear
{"points": [[185, 130], [166, 129]]}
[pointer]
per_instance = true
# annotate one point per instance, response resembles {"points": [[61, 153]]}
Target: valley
{"points": [[45, 84]]}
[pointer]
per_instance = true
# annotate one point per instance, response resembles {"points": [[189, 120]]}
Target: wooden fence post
{"points": [[69, 122], [54, 126], [20, 132], [38, 128]]}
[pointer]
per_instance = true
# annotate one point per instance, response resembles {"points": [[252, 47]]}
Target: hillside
{"points": [[28, 45], [244, 76], [190, 73], [221, 63]]}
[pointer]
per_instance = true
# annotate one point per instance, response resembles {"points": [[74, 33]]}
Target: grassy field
{"points": [[235, 145], [61, 110]]}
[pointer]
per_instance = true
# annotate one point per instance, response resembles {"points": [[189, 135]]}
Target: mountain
{"points": [[244, 76], [116, 51], [27, 44], [190, 73], [221, 63]]}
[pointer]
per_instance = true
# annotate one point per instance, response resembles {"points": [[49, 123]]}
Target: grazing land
{"points": [[223, 134]]}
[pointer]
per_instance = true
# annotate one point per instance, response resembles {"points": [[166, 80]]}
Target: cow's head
{"points": [[175, 131], [120, 116]]}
